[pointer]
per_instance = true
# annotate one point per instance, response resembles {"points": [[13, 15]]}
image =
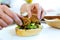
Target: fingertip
{"points": [[18, 21], [21, 23], [29, 15]]}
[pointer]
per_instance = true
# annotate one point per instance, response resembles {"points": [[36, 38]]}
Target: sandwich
{"points": [[31, 26]]}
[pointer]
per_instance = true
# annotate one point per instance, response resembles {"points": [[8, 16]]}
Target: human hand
{"points": [[7, 17], [33, 9]]}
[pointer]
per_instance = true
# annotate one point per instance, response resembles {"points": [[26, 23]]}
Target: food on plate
{"points": [[31, 26]]}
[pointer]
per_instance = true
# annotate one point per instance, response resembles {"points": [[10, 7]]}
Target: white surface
{"points": [[46, 4], [47, 33], [53, 13]]}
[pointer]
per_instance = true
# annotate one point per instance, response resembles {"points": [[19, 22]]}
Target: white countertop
{"points": [[47, 33]]}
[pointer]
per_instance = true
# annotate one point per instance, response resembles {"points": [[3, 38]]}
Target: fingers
{"points": [[5, 17], [37, 6], [23, 8], [29, 11], [3, 23], [26, 7], [40, 11], [36, 10], [11, 14], [19, 16], [42, 14]]}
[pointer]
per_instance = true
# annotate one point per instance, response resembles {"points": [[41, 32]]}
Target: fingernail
{"points": [[29, 16], [20, 23]]}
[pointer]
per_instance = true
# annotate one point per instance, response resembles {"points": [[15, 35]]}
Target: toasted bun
{"points": [[29, 32], [54, 23]]}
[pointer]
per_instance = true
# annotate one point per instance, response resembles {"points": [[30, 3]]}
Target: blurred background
{"points": [[52, 7]]}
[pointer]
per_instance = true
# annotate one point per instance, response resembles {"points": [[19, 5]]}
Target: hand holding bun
{"points": [[33, 9]]}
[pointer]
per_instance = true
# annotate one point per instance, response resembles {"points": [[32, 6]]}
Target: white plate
{"points": [[47, 33]]}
